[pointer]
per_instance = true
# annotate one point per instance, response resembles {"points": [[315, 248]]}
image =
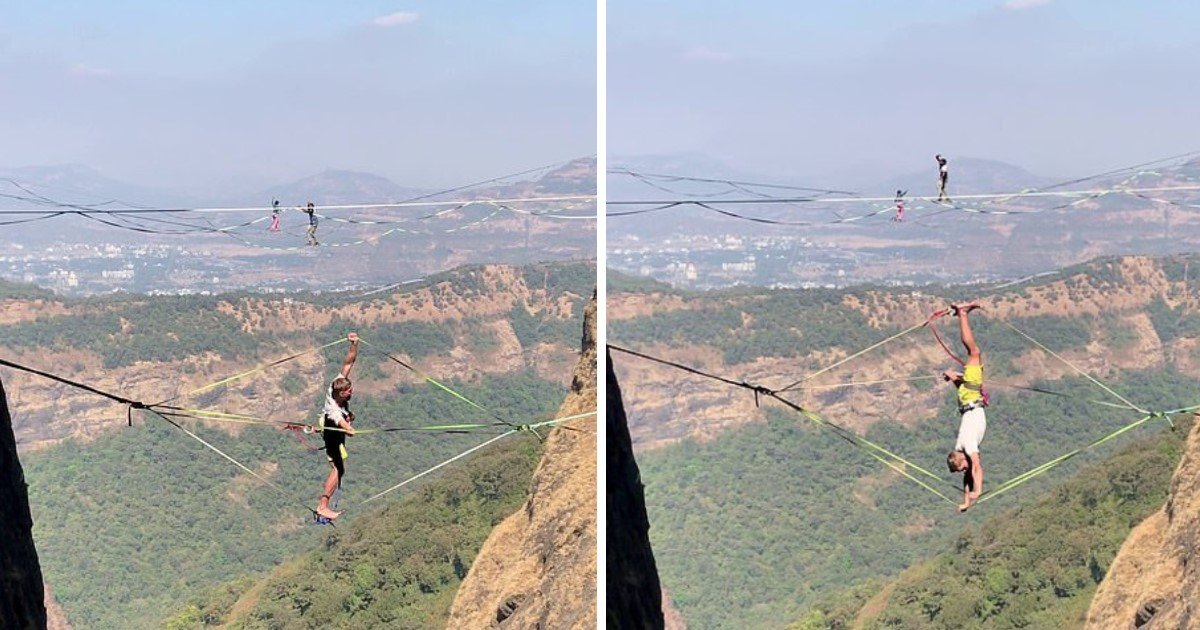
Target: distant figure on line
{"points": [[943, 177], [312, 224], [971, 401], [336, 425], [899, 205], [274, 216]]}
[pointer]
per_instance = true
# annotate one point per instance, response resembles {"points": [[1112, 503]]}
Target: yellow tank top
{"points": [[972, 383]]}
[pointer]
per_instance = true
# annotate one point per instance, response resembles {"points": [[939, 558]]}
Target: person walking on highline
{"points": [[899, 205], [971, 400], [312, 224], [274, 216], [336, 425], [943, 177]]}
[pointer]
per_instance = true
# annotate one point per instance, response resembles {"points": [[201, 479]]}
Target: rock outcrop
{"points": [[538, 567], [1154, 582], [634, 594], [21, 592]]}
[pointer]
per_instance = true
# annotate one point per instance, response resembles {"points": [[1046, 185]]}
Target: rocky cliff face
{"points": [[21, 593], [634, 595], [1154, 582], [538, 568]]}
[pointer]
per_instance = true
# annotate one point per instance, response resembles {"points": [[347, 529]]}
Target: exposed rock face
{"points": [[1154, 582], [56, 619], [672, 618], [634, 594], [21, 593], [538, 568]]}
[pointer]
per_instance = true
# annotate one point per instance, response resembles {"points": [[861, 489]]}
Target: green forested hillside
{"points": [[135, 522], [397, 567], [1032, 567], [752, 527], [785, 324], [129, 525], [786, 512], [125, 329], [164, 329], [21, 291]]}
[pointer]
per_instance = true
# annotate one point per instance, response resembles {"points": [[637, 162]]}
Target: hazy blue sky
{"points": [[428, 93], [819, 91]]}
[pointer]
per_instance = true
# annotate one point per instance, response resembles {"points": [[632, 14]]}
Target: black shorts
{"points": [[335, 448]]}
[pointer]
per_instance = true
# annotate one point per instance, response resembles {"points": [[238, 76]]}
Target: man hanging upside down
{"points": [[971, 401], [336, 426]]}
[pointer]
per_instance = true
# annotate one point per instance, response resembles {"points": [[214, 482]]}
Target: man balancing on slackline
{"points": [[971, 400], [336, 426]]}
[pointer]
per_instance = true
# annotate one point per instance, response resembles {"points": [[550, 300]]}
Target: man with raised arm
{"points": [[336, 426], [971, 401], [943, 177]]}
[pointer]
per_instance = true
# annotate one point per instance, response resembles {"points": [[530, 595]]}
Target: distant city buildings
{"points": [[778, 261], [97, 269]]}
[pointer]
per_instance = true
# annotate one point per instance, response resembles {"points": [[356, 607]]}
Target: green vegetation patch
{"points": [[20, 291], [138, 520], [1037, 566], [625, 283], [416, 339], [534, 328], [575, 277], [777, 324], [786, 513], [122, 333], [1173, 323], [398, 567]]}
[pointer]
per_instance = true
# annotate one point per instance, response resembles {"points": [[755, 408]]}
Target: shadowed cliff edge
{"points": [[634, 594], [21, 593]]}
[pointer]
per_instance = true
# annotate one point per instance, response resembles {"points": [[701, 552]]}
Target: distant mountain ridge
{"points": [[402, 243], [967, 176], [85, 185], [78, 184], [337, 186], [846, 241]]}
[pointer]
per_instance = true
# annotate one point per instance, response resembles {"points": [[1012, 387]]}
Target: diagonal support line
{"points": [[854, 356], [1074, 367], [232, 460], [445, 463], [256, 370]]}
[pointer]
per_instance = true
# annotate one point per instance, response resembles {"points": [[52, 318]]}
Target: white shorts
{"points": [[970, 431]]}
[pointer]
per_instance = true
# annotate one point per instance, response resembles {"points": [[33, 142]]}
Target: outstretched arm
{"points": [[976, 477], [351, 355]]}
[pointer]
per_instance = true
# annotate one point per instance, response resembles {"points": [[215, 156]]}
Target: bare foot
{"points": [[963, 507], [328, 513]]}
